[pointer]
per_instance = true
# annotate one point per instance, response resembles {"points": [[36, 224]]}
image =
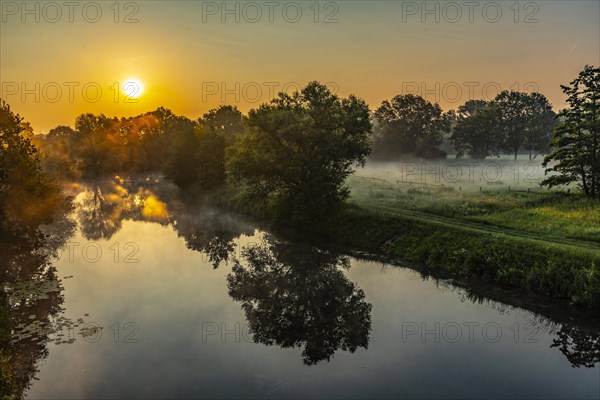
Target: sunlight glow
{"points": [[133, 88]]}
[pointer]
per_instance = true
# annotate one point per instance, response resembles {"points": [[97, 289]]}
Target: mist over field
{"points": [[464, 174]]}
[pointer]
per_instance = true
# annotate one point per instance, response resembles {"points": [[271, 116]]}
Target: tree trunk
{"points": [[584, 181]]}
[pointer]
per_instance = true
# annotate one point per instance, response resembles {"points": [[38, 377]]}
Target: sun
{"points": [[133, 88]]}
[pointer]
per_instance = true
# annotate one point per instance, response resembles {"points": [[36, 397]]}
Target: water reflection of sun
{"points": [[154, 209]]}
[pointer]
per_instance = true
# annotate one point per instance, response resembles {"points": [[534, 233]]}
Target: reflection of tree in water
{"points": [[107, 203], [298, 296], [581, 348], [30, 300], [207, 230], [99, 215], [577, 337]]}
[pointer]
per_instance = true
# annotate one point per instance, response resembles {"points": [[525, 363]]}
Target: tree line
{"points": [[409, 125], [293, 154]]}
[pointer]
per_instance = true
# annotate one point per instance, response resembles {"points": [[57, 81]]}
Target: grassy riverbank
{"points": [[562, 271], [550, 245]]}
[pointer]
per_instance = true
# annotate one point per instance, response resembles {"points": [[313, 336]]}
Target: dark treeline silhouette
{"points": [[409, 125]]}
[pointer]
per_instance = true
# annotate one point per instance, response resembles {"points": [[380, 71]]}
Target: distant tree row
{"points": [[411, 125], [292, 155]]}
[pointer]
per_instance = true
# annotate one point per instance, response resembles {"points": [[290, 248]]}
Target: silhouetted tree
{"points": [[300, 150], [576, 140], [26, 194], [540, 122], [216, 130], [477, 131], [225, 120], [211, 159], [513, 119], [410, 125]]}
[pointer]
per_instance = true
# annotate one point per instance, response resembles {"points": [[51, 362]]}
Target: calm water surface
{"points": [[163, 299]]}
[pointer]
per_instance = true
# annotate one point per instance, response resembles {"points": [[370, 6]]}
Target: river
{"points": [[157, 296]]}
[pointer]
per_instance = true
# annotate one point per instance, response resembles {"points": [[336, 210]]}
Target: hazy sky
{"points": [[193, 55]]}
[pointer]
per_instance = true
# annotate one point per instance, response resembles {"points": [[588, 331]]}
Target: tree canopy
{"points": [[410, 125], [576, 140], [477, 131], [301, 148]]}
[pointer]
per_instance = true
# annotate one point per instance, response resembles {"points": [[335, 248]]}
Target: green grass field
{"points": [[553, 215]]}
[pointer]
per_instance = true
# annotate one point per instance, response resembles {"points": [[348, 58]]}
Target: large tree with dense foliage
{"points": [[300, 150], [540, 123], [410, 125], [526, 119], [216, 130], [27, 196], [180, 164], [224, 120], [576, 140], [513, 119], [477, 131]]}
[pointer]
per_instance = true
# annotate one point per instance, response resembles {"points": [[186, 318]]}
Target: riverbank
{"points": [[523, 260], [560, 271]]}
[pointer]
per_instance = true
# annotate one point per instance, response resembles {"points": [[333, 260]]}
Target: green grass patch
{"points": [[555, 215]]}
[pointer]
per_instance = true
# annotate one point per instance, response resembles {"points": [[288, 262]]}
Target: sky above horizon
{"points": [[61, 59]]}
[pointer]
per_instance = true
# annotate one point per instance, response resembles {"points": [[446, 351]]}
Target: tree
{"points": [[576, 140], [59, 133], [99, 145], [225, 120], [477, 131], [86, 124], [180, 165], [410, 124], [513, 119], [540, 122], [27, 196], [211, 157], [300, 150], [216, 130]]}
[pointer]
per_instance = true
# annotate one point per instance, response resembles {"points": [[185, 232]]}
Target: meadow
{"points": [[506, 202]]}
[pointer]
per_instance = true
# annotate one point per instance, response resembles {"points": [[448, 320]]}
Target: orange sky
{"points": [[57, 62]]}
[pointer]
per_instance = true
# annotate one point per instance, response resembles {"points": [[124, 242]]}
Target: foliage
{"points": [[576, 141], [224, 120], [410, 125], [526, 119], [26, 194], [300, 150], [210, 155], [477, 131], [218, 129], [180, 165]]}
